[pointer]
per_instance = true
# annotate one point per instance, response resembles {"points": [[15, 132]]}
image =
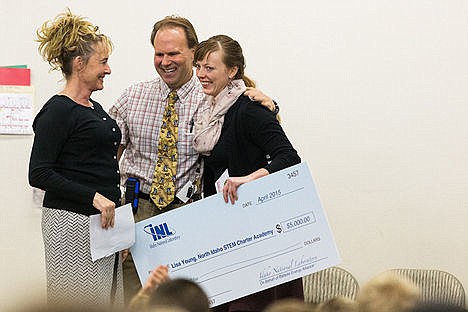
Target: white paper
{"points": [[276, 232], [16, 109], [105, 242], [219, 184]]}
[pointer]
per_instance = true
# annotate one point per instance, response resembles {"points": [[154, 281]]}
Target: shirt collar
{"points": [[184, 91]]}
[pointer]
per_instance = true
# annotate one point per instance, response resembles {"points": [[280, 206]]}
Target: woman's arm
{"points": [[232, 183], [52, 128], [265, 131]]}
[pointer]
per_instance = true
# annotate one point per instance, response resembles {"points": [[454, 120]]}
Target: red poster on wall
{"points": [[10, 76]]}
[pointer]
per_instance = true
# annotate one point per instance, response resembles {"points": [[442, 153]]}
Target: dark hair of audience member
{"points": [[181, 293]]}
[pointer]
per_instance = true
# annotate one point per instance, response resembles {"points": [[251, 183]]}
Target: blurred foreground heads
{"points": [[290, 305], [161, 293], [387, 293], [181, 293]]}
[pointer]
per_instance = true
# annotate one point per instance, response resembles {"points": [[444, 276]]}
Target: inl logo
{"points": [[158, 231]]}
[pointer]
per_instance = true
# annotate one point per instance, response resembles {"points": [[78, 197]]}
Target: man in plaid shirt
{"points": [[139, 110]]}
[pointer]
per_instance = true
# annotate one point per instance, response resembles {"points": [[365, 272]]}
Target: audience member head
{"points": [[387, 293], [69, 36], [181, 293], [289, 305], [437, 307], [174, 40], [229, 53], [337, 304]]}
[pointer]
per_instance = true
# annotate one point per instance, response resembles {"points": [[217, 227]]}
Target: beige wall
{"points": [[374, 94]]}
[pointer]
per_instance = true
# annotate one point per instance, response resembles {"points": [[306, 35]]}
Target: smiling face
{"points": [[173, 58], [213, 74], [96, 68]]}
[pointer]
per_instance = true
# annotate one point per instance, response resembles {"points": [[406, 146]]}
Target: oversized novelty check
{"points": [[276, 232]]}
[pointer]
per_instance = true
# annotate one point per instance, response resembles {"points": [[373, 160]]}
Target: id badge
{"points": [[186, 192]]}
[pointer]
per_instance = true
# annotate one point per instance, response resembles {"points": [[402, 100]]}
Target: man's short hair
{"points": [[174, 21]]}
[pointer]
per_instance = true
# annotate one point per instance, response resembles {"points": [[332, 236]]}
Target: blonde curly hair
{"points": [[66, 37]]}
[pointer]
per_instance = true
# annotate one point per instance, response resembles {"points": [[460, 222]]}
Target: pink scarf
{"points": [[208, 128]]}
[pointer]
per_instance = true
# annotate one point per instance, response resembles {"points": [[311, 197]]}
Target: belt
{"points": [[176, 200]]}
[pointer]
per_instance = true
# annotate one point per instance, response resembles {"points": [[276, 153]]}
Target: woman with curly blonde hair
{"points": [[74, 159]]}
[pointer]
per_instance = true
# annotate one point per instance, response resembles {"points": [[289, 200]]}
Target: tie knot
{"points": [[172, 97]]}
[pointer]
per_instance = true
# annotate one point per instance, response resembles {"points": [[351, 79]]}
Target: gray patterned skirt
{"points": [[72, 277]]}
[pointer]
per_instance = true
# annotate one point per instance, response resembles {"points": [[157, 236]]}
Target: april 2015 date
{"points": [[268, 196]]}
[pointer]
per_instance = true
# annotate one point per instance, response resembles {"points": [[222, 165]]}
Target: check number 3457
{"points": [[293, 174]]}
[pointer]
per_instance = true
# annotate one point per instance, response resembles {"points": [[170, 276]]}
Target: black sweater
{"points": [[74, 155], [250, 132]]}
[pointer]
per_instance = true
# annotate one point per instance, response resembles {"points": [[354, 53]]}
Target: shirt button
{"points": [[104, 118], [115, 157], [113, 129]]}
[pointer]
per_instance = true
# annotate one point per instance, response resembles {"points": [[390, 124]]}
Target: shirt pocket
{"points": [[186, 135]]}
